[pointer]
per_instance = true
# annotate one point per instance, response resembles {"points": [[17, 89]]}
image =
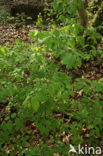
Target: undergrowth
{"points": [[34, 91]]}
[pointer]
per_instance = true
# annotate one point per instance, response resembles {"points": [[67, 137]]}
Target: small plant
{"points": [[4, 18], [20, 19]]}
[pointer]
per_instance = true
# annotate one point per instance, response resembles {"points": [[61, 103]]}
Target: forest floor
{"points": [[90, 70]]}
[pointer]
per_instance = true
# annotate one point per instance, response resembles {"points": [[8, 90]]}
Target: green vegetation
{"points": [[43, 109]]}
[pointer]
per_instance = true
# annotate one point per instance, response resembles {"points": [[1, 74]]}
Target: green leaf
{"points": [[18, 124], [35, 104], [9, 125], [13, 115], [90, 126], [69, 60]]}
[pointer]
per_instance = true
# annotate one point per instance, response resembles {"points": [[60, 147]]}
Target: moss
{"points": [[98, 17], [94, 6]]}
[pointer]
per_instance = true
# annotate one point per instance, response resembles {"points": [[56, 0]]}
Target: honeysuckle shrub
{"points": [[35, 85], [32, 88]]}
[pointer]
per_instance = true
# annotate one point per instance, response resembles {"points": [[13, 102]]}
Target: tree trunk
{"points": [[83, 14], [96, 21]]}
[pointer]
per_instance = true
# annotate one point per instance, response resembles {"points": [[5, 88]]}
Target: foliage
{"points": [[34, 88], [20, 19], [4, 18]]}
